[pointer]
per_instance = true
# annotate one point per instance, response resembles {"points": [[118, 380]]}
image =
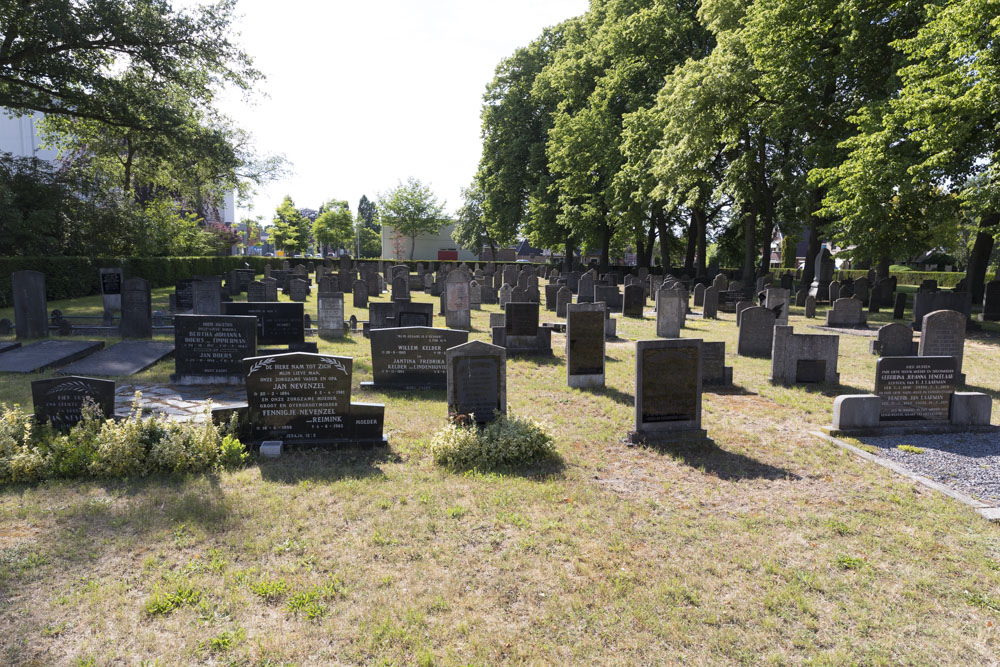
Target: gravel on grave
{"points": [[966, 462]]}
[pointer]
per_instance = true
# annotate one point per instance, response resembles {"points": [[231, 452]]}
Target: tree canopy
{"points": [[411, 209]]}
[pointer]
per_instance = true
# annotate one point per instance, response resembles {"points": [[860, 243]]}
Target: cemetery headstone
{"points": [[668, 388], [585, 344], [899, 307], [477, 380], [699, 295], [915, 388], [634, 301], [111, 288], [845, 314], [411, 357], [713, 364], [669, 313], [756, 334], [943, 335], [137, 309], [330, 314], [278, 322], [256, 291], [563, 297], [457, 313], [803, 358], [823, 268], [29, 304], [60, 400], [298, 290], [893, 340], [928, 302], [777, 300], [209, 349], [206, 296], [710, 309], [991, 301]]}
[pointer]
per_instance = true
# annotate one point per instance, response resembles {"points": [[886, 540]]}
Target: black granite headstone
{"points": [[209, 349], [404, 357], [915, 388], [137, 309], [60, 400], [278, 322], [520, 318]]}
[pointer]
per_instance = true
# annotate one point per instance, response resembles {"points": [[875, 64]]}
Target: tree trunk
{"points": [[568, 264], [813, 248], [692, 245], [647, 261], [698, 215], [883, 266], [605, 262], [660, 221], [975, 275], [413, 246], [749, 250], [768, 213]]}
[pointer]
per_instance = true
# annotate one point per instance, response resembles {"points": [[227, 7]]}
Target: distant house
{"points": [[428, 247]]}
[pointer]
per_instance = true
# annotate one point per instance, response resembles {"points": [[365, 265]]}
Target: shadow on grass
{"points": [[727, 390], [616, 395], [705, 455], [992, 393], [541, 471], [537, 359], [300, 463]]}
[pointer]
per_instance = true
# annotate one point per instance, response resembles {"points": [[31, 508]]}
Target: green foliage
{"points": [[334, 226], [162, 603], [96, 447], [788, 245], [369, 241], [70, 277], [506, 441], [411, 209], [290, 229], [471, 231], [270, 590], [910, 449]]}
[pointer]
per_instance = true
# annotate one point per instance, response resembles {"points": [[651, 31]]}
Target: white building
{"points": [[428, 247], [19, 137]]}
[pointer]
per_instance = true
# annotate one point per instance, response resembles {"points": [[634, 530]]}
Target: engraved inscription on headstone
{"points": [[209, 349], [412, 356], [278, 322], [915, 388], [668, 386], [111, 288], [585, 345], [60, 400]]}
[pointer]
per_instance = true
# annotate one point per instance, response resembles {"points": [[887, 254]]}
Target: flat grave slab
{"points": [[126, 358], [8, 345], [46, 353]]}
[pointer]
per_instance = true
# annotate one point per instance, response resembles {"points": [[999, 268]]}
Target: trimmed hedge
{"points": [[72, 277], [912, 278]]}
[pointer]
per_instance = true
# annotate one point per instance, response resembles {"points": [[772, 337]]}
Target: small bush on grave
{"points": [[508, 440], [99, 447]]}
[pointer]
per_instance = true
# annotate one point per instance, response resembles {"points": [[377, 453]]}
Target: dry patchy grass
{"points": [[763, 545]]}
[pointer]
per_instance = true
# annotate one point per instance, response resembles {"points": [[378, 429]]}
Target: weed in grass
{"points": [[982, 600], [380, 539], [845, 562], [163, 603], [290, 545], [910, 449], [270, 590], [226, 640], [308, 604], [456, 511], [839, 528]]}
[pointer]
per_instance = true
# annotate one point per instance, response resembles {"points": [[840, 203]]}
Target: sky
{"points": [[363, 95]]}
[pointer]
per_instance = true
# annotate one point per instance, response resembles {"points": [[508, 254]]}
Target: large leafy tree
{"points": [[66, 58], [471, 231], [290, 229], [334, 225], [411, 209]]}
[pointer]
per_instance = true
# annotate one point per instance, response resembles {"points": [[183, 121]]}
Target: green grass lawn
{"points": [[764, 545]]}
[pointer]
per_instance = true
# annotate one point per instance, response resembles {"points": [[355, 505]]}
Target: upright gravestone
{"points": [[810, 306], [457, 313], [330, 314], [667, 388], [411, 357], [834, 290], [710, 309], [669, 313], [256, 291], [846, 313], [297, 290], [551, 293], [585, 288], [270, 286], [400, 287], [505, 294], [699, 295], [30, 318], [585, 344], [861, 290], [928, 302], [915, 388], [360, 294], [60, 400], [206, 296], [713, 364], [899, 307], [634, 301], [475, 296], [564, 297], [477, 381], [823, 269], [776, 300], [991, 301], [875, 301], [943, 335], [756, 335], [893, 340], [278, 322], [111, 288], [137, 309], [209, 349], [304, 398]]}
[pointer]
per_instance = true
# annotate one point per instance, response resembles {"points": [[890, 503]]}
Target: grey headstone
{"points": [[893, 340], [330, 314], [477, 380], [137, 312], [111, 287], [943, 335], [585, 344], [756, 334], [668, 388], [803, 358], [563, 297], [29, 304]]}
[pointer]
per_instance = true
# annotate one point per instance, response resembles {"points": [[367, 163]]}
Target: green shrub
{"points": [[506, 441], [98, 447]]}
